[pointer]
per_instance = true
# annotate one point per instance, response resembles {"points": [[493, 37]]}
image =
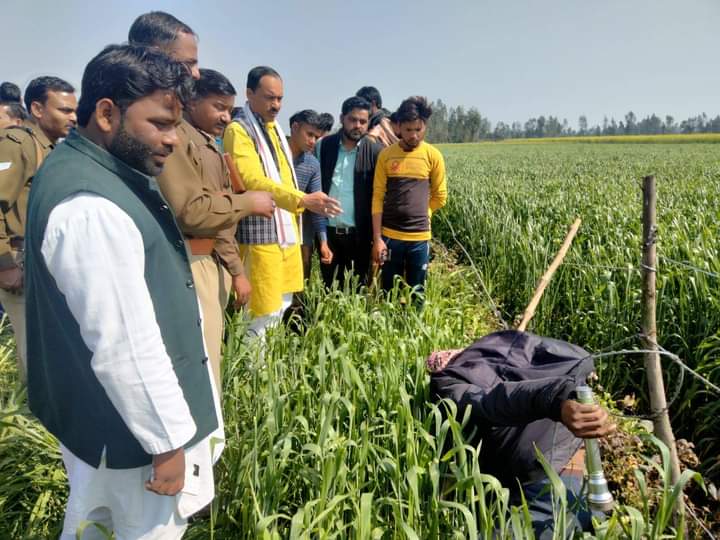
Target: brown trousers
{"points": [[14, 306], [212, 283]]}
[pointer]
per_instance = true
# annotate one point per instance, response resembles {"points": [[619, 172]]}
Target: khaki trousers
{"points": [[212, 283], [14, 306]]}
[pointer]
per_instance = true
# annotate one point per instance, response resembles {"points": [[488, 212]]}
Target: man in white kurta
{"points": [[96, 255], [117, 368]]}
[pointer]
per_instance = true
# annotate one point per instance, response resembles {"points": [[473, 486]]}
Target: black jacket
{"points": [[365, 161], [514, 383]]}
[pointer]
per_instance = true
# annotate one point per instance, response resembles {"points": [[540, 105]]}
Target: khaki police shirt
{"points": [[196, 184], [20, 148]]}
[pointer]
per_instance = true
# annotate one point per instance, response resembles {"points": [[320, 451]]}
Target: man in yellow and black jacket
{"points": [[409, 185]]}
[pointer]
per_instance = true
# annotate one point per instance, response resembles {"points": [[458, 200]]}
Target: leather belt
{"points": [[576, 465], [201, 246], [342, 231]]}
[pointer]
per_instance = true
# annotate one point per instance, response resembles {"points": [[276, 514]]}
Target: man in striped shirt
{"points": [[326, 124], [305, 129]]}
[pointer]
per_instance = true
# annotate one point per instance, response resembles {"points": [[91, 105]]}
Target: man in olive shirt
{"points": [[51, 104], [197, 186]]}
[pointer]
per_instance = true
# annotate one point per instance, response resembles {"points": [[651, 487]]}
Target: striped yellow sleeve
{"points": [[379, 183], [242, 149], [438, 181]]}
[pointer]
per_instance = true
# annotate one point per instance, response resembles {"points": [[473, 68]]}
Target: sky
{"points": [[511, 59]]}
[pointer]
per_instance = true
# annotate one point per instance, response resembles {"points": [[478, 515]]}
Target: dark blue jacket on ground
{"points": [[515, 382]]}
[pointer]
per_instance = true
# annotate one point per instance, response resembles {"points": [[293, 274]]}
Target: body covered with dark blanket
{"points": [[515, 383]]}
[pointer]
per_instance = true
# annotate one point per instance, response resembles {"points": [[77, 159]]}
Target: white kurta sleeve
{"points": [[96, 254]]}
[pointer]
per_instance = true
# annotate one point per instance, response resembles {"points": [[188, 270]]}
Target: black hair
{"points": [[9, 93], [126, 73], [257, 73], [413, 108], [157, 29], [393, 117], [355, 102], [326, 121], [15, 110], [213, 82], [307, 116], [10, 97], [38, 89], [371, 94]]}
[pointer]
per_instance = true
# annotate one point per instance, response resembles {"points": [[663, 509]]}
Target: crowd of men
{"points": [[122, 245], [130, 218]]}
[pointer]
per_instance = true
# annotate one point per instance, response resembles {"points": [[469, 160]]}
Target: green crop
{"points": [[329, 429], [511, 206]]}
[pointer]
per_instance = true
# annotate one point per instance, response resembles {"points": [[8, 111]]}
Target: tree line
{"points": [[458, 124]]}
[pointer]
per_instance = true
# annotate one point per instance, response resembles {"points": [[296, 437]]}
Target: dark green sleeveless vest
{"points": [[62, 388]]}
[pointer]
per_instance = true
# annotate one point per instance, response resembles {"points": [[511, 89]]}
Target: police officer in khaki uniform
{"points": [[12, 112], [197, 185], [51, 103], [195, 180]]}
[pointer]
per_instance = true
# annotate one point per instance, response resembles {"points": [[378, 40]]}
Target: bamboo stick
{"points": [[547, 276]]}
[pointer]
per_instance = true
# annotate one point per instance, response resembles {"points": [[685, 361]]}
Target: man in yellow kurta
{"points": [[270, 246]]}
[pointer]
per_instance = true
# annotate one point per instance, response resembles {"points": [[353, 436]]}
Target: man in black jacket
{"points": [[520, 389], [347, 166]]}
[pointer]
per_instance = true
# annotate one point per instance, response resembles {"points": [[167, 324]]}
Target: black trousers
{"points": [[307, 250], [351, 252]]}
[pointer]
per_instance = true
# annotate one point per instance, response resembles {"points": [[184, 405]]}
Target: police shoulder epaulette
{"points": [[17, 137]]}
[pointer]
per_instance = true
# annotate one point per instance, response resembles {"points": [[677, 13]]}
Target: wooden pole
{"points": [[547, 276], [658, 402]]}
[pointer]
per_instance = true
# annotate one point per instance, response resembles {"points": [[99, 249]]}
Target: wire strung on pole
{"points": [[632, 268], [628, 268], [689, 267], [673, 397], [715, 388]]}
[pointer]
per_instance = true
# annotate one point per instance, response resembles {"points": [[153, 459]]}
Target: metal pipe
{"points": [[599, 496]]}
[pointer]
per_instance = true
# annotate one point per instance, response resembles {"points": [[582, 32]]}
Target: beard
{"points": [[354, 134], [134, 152]]}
